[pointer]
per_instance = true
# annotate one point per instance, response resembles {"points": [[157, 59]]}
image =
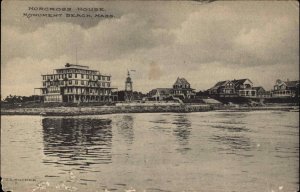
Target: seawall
{"points": [[99, 110]]}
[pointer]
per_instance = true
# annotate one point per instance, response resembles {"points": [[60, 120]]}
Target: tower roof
{"points": [[181, 81], [128, 79]]}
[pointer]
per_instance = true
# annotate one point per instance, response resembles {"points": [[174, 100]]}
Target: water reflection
{"points": [[78, 142], [231, 115], [233, 142], [230, 128], [219, 159], [125, 128], [182, 131], [231, 134]]}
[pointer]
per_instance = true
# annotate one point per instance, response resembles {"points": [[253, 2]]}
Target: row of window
{"points": [[76, 82], [227, 91], [53, 98], [70, 75], [279, 87], [76, 71], [181, 86], [85, 91], [282, 93], [53, 90], [229, 85], [247, 93]]}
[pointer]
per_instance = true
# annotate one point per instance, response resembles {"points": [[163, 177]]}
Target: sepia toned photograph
{"points": [[149, 96]]}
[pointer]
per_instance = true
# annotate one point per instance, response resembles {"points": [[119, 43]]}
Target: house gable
{"points": [[229, 84], [259, 89], [247, 81], [279, 85], [181, 83], [243, 83]]}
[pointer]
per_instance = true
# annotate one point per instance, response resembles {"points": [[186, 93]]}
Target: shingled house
{"points": [[223, 89], [286, 88], [182, 89], [159, 94], [261, 92], [233, 88], [243, 88]]}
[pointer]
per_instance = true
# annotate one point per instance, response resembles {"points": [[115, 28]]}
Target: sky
{"points": [[160, 40]]}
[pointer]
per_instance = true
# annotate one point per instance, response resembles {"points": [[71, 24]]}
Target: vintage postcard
{"points": [[150, 96]]}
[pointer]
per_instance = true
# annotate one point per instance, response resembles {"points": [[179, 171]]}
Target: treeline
{"points": [[13, 99], [135, 95]]}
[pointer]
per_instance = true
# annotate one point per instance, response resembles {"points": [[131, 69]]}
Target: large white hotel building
{"points": [[76, 83]]}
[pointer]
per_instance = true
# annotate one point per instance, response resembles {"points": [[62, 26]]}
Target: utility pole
{"points": [[76, 56]]}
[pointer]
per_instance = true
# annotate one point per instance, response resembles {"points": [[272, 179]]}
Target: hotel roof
{"points": [[75, 66]]}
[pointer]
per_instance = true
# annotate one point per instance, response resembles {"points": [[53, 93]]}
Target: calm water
{"points": [[208, 151]]}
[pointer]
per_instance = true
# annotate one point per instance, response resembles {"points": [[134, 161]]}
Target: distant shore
{"points": [[137, 108]]}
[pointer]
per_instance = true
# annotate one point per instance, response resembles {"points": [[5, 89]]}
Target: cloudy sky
{"points": [[203, 42]]}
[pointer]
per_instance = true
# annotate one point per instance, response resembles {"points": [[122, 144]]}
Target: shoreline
{"points": [[103, 110]]}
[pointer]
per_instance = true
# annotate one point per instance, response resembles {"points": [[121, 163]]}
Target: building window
{"points": [[70, 82], [70, 75], [103, 78], [108, 78], [75, 75], [82, 76], [82, 82], [76, 82]]}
